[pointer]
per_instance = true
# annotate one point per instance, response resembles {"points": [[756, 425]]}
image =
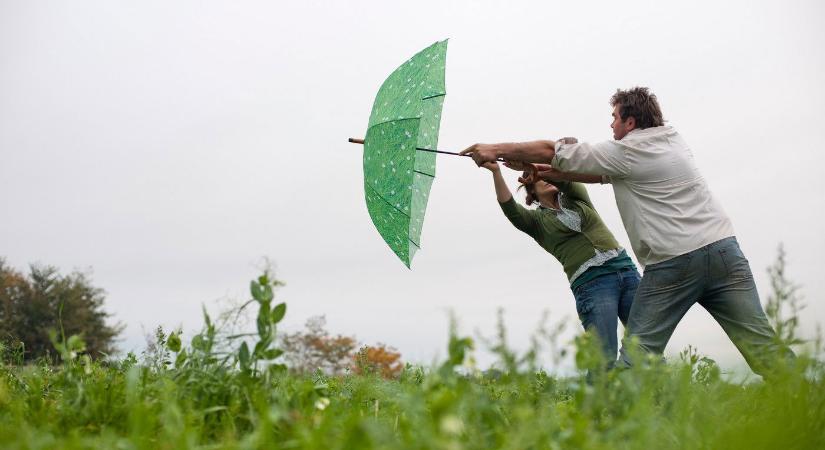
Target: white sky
{"points": [[169, 146]]}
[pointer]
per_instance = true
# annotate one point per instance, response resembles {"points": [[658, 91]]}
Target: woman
{"points": [[602, 277]]}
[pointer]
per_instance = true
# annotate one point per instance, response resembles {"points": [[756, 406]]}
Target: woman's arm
{"points": [[503, 193], [520, 217]]}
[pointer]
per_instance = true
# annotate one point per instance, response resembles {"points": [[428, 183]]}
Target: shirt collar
{"points": [[559, 196], [649, 131]]}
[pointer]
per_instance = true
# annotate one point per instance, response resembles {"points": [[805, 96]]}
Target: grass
{"points": [[216, 393]]}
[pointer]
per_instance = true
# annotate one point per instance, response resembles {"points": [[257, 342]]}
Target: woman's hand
{"points": [[520, 165], [515, 165], [548, 173], [491, 166]]}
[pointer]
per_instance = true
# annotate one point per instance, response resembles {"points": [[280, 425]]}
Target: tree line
{"points": [[42, 301], [41, 308]]}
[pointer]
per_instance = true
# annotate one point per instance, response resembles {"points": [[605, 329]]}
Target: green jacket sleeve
{"points": [[520, 217]]}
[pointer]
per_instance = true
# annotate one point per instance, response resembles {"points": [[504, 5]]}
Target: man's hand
{"points": [[552, 175], [542, 172], [481, 153], [548, 173]]}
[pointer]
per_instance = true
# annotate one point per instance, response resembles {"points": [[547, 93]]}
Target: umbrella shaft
{"points": [[444, 152], [449, 153]]}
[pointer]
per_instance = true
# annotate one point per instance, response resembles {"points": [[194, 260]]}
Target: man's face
{"points": [[621, 127]]}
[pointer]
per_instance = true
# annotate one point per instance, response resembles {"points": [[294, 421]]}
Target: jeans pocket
{"points": [[666, 275], [584, 303], [736, 264], [631, 276], [582, 289]]}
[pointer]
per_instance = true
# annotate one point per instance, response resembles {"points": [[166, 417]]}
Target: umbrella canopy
{"points": [[397, 178]]}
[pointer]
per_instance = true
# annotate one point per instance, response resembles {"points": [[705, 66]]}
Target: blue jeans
{"points": [[601, 301], [718, 277]]}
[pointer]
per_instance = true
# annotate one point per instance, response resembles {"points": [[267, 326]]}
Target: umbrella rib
{"points": [[392, 120], [408, 118], [387, 201], [402, 212]]}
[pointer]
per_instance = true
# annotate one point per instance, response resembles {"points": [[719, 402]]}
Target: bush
{"points": [[315, 349], [32, 306], [380, 360]]}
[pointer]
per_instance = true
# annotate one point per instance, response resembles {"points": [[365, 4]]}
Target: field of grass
{"points": [[223, 393]]}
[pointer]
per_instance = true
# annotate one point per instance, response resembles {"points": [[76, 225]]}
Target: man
{"points": [[677, 229]]}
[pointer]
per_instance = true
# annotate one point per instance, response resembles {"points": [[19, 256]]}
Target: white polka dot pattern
{"points": [[397, 178]]}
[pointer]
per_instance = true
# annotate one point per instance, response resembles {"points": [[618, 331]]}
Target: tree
{"points": [[314, 348], [31, 306], [379, 359]]}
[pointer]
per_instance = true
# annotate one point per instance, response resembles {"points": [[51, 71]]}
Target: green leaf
{"points": [[198, 342], [263, 311], [273, 353], [213, 409], [173, 342], [278, 312], [206, 318], [263, 327], [261, 292], [260, 348], [243, 356], [180, 359], [457, 349], [277, 368]]}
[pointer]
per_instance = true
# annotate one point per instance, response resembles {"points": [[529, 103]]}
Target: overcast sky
{"points": [[167, 147]]}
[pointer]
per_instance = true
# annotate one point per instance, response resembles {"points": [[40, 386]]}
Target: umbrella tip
{"points": [[356, 141]]}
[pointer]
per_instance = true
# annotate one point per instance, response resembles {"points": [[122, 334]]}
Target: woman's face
{"points": [[544, 189]]}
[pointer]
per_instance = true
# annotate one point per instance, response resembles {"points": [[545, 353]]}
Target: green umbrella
{"points": [[397, 178]]}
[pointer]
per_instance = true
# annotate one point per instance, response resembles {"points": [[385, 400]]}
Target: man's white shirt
{"points": [[665, 204]]}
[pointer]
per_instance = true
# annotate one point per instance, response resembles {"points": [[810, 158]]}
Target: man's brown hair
{"points": [[640, 104]]}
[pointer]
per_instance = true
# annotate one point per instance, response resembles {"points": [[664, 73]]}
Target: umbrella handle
{"points": [[443, 152]]}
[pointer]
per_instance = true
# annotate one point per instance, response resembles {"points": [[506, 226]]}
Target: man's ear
{"points": [[630, 123]]}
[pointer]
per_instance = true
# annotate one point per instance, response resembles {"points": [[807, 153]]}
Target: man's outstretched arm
{"points": [[532, 151], [604, 158], [547, 173]]}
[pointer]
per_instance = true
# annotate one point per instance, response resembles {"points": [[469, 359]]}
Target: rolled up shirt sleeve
{"points": [[604, 158]]}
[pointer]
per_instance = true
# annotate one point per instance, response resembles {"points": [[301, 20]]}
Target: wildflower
{"points": [[322, 403], [452, 425]]}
